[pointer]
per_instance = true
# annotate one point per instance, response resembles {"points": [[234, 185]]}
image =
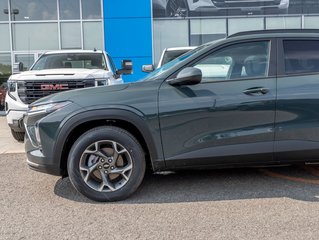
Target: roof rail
{"points": [[274, 31]]}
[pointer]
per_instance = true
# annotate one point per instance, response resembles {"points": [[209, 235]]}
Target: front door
{"points": [[229, 117]]}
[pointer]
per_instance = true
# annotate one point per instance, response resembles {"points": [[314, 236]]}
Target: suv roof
{"points": [[275, 31]]}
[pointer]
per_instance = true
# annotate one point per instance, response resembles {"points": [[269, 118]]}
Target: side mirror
{"points": [[17, 67], [127, 67], [148, 68], [188, 76]]}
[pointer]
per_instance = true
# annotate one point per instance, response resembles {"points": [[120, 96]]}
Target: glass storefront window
{"points": [[26, 59], [244, 24], [35, 36], [33, 10], [169, 33], [4, 14], [311, 21], [5, 64], [69, 9], [5, 37], [283, 22], [206, 30], [71, 35], [91, 9], [92, 35]]}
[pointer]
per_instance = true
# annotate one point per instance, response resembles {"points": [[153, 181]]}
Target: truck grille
{"points": [[30, 91], [244, 3]]}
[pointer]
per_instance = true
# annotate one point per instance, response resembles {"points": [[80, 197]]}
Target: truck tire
{"points": [[106, 164], [19, 136]]}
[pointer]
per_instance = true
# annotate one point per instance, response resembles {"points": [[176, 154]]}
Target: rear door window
{"points": [[301, 56]]}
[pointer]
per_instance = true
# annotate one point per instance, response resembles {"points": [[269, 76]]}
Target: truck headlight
{"points": [[12, 86], [47, 108], [101, 81]]}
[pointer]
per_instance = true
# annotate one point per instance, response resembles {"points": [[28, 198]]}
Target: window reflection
{"points": [[70, 35], [3, 10], [92, 35], [35, 36], [5, 64], [34, 10], [69, 9], [91, 9], [4, 37]]}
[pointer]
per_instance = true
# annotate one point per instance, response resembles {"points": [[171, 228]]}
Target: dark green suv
{"points": [[251, 99]]}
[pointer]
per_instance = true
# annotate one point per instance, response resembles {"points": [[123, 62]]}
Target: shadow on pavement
{"points": [[212, 185]]}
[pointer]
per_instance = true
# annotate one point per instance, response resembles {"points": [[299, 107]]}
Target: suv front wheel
{"points": [[106, 164]]}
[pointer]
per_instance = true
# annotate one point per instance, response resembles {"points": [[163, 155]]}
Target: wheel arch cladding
{"points": [[79, 124]]}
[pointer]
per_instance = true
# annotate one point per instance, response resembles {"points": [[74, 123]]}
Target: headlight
{"points": [[12, 86], [47, 108], [101, 81]]}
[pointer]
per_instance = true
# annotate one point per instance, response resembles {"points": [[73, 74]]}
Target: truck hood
{"points": [[61, 74]]}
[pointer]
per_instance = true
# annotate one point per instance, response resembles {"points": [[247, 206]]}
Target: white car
{"points": [[186, 8], [168, 55], [55, 72]]}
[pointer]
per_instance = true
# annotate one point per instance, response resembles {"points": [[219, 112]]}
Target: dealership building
{"points": [[136, 30]]}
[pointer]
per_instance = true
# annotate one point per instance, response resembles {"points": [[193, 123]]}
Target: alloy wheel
{"points": [[176, 8], [106, 166]]}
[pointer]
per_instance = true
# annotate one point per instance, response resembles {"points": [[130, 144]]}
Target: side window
{"points": [[301, 56], [238, 61]]}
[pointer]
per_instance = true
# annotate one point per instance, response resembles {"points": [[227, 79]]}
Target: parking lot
{"points": [[252, 203]]}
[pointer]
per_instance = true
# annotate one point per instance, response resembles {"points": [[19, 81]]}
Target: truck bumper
{"points": [[14, 113]]}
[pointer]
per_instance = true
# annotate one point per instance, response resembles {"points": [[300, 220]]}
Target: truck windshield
{"points": [[71, 60]]}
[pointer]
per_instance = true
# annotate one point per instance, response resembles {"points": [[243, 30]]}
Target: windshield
{"points": [[71, 60], [172, 63], [170, 55]]}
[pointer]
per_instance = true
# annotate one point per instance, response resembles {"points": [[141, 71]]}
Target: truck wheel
{"points": [[106, 164], [19, 136]]}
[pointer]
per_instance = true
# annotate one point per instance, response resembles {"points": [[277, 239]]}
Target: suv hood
{"points": [[61, 73], [85, 93]]}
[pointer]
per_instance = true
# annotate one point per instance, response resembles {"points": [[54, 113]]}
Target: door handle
{"points": [[256, 91]]}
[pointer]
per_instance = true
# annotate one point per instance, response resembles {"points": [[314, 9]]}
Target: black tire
{"points": [[19, 136], [78, 155], [177, 8]]}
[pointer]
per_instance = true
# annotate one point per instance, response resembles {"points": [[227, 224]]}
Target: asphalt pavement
{"points": [[251, 203]]}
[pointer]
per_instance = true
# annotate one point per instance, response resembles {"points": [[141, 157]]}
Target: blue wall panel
{"points": [[127, 8], [128, 33], [128, 37]]}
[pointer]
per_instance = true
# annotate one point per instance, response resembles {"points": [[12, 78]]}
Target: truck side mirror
{"points": [[148, 68], [17, 68], [127, 67]]}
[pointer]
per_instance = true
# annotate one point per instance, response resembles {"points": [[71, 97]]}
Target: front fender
{"points": [[148, 126]]}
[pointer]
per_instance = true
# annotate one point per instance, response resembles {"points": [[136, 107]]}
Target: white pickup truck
{"points": [[55, 72]]}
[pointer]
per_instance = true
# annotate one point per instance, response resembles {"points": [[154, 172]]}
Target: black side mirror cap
{"points": [[188, 76], [127, 67]]}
